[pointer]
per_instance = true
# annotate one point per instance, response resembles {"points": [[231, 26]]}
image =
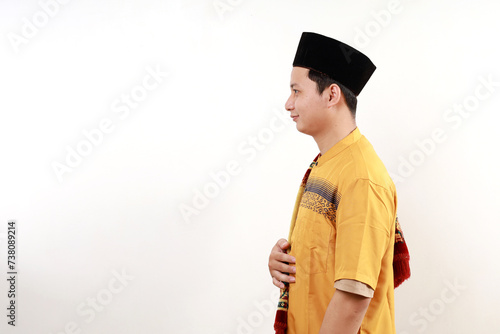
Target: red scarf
{"points": [[400, 263]]}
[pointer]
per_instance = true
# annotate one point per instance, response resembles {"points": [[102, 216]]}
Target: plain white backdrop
{"points": [[150, 165]]}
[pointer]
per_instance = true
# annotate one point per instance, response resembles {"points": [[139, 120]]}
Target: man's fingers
{"points": [[276, 265], [285, 268], [279, 277], [283, 257], [278, 283], [283, 244]]}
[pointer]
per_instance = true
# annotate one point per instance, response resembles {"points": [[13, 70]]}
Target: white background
{"points": [[228, 64]]}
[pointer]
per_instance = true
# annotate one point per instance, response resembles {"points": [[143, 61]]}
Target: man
{"points": [[337, 266]]}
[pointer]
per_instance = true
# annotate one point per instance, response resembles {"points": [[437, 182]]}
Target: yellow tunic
{"points": [[344, 230]]}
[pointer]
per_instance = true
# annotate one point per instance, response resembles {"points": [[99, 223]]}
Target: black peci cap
{"points": [[339, 61]]}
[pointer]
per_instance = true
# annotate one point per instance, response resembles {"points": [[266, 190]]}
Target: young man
{"points": [[337, 266]]}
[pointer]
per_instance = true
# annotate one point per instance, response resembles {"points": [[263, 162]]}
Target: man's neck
{"points": [[326, 141]]}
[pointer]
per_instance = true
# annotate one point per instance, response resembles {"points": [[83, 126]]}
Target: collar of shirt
{"points": [[347, 141]]}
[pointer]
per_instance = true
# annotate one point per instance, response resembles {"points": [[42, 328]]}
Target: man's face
{"points": [[307, 107]]}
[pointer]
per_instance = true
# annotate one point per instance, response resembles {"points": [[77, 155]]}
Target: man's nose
{"points": [[289, 104]]}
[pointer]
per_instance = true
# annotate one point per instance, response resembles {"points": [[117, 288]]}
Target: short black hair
{"points": [[323, 81]]}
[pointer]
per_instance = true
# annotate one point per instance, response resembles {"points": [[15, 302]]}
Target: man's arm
{"points": [[344, 313]]}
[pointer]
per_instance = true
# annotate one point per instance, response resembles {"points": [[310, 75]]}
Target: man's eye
{"points": [[295, 91]]}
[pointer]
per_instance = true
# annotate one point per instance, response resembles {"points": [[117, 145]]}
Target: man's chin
{"points": [[301, 129]]}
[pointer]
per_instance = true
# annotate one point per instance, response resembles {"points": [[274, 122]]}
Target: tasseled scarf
{"points": [[400, 263]]}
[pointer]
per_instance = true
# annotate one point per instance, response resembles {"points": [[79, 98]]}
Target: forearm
{"points": [[344, 313]]}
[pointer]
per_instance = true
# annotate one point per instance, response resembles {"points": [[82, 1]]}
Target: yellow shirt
{"points": [[344, 230]]}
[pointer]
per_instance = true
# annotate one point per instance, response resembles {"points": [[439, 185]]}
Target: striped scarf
{"points": [[400, 263]]}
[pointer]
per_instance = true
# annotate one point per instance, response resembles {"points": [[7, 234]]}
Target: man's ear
{"points": [[334, 95]]}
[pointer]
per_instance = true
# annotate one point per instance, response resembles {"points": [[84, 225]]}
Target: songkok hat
{"points": [[339, 61]]}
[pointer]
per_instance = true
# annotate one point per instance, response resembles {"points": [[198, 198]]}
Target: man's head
{"points": [[335, 60], [336, 73], [315, 107]]}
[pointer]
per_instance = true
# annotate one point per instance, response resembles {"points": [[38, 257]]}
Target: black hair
{"points": [[324, 81]]}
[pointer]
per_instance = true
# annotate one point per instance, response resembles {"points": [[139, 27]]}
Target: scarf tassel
{"points": [[401, 263], [280, 323]]}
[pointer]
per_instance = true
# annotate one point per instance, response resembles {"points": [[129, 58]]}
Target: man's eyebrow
{"points": [[293, 85]]}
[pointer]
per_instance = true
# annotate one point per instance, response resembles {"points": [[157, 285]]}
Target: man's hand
{"points": [[279, 264]]}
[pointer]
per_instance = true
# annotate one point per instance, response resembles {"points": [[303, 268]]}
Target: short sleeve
{"points": [[355, 287], [365, 217]]}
